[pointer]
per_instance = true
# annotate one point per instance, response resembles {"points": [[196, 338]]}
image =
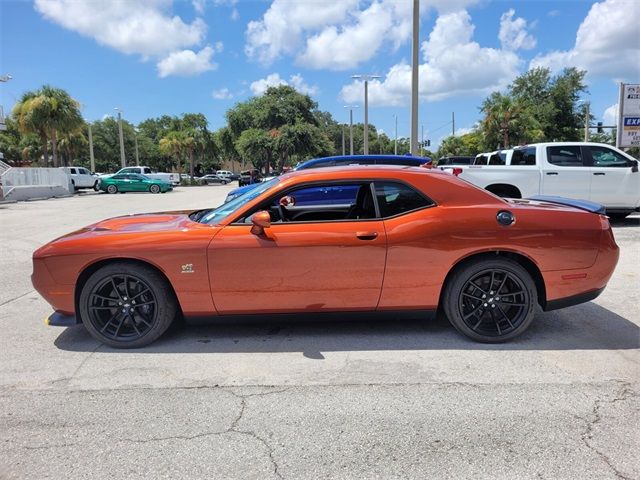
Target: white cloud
{"points": [[222, 94], [273, 80], [607, 42], [553, 13], [198, 6], [453, 65], [187, 63], [610, 115], [145, 28], [513, 32], [235, 14], [334, 35]]}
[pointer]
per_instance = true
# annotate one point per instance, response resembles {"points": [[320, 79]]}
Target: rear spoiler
{"points": [[586, 205]]}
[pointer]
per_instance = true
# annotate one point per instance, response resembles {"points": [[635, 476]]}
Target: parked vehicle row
{"points": [[580, 170], [133, 182]]}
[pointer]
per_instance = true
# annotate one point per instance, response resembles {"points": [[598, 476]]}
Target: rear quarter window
{"points": [[397, 198]]}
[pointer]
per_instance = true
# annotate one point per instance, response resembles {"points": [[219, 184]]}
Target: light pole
{"points": [[366, 79], [4, 78], [415, 51], [586, 121], [395, 141], [123, 160], [351, 107], [93, 160], [135, 136], [343, 151]]}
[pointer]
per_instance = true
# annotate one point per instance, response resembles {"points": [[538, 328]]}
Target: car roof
{"points": [[359, 171], [386, 158]]}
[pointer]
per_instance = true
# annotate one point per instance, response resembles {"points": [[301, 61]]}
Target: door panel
{"points": [[309, 267], [613, 184], [566, 173]]}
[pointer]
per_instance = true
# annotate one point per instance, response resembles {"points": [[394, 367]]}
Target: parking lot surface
{"points": [[399, 397]]}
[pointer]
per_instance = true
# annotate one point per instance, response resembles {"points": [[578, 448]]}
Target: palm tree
{"points": [[48, 112], [71, 143], [173, 145]]}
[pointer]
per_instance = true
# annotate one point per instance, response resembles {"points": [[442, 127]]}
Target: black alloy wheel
{"points": [[127, 306], [491, 300]]}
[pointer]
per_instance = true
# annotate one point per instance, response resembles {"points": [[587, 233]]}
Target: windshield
{"points": [[216, 215]]}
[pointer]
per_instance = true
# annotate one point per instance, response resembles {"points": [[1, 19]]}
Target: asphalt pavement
{"points": [[362, 398]]}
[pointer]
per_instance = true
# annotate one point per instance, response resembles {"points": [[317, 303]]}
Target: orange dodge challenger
{"points": [[358, 238]]}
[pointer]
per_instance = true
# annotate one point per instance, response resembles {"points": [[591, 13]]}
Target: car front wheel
{"points": [[125, 305], [154, 189], [491, 300], [112, 189]]}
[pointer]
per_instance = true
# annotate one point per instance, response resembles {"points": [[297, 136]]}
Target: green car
{"points": [[133, 182]]}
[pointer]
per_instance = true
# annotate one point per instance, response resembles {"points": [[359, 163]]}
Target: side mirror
{"points": [[260, 220], [634, 166]]}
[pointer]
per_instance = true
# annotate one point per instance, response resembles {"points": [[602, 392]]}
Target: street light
{"points": [[135, 136], [366, 79], [351, 107], [123, 160]]}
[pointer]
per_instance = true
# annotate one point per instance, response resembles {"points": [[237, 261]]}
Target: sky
{"points": [[157, 57]]}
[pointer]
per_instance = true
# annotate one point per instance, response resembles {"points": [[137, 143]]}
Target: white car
{"points": [[226, 174], [80, 177], [581, 170]]}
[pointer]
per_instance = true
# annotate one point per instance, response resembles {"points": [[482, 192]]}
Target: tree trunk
{"points": [[191, 163], [505, 138], [54, 147], [45, 153]]}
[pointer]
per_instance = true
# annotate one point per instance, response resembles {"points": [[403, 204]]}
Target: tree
{"points": [[508, 121], [173, 144], [48, 112]]}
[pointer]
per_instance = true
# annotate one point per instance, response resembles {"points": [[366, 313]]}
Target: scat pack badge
{"points": [[187, 268]]}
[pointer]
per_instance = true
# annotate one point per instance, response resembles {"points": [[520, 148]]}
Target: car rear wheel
{"points": [[154, 189], [127, 306], [112, 189], [491, 300]]}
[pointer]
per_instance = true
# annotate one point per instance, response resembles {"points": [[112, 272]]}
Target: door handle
{"points": [[599, 173], [367, 235], [552, 173]]}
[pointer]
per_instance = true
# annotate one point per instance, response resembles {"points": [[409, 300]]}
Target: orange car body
{"points": [[326, 266]]}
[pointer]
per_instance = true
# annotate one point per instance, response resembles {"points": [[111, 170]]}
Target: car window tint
{"points": [[497, 159], [524, 156], [480, 160], [146, 170], [605, 157], [397, 198], [72, 170], [323, 195], [120, 176], [565, 156]]}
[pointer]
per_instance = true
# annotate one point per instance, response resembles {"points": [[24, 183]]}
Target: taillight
{"points": [[456, 171]]}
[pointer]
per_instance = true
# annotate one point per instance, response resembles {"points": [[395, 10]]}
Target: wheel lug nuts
{"points": [[484, 296], [125, 298], [493, 306], [491, 292], [498, 298], [485, 304], [124, 310]]}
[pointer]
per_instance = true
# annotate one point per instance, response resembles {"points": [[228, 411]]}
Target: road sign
{"points": [[629, 116]]}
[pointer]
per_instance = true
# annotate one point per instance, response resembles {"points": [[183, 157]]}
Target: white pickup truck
{"points": [[80, 177], [588, 171], [173, 178]]}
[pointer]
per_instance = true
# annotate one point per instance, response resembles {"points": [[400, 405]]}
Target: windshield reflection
{"points": [[223, 211]]}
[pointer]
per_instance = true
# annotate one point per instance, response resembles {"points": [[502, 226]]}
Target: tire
{"points": [[96, 187], [112, 189], [109, 322], [73, 184], [224, 182], [499, 316], [618, 217], [154, 189]]}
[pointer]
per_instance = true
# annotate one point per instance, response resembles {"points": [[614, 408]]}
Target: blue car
{"points": [[337, 194]]}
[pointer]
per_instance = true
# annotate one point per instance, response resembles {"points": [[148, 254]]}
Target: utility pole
{"points": [[453, 123], [619, 114], [137, 157], [422, 141], [586, 121], [395, 142], [415, 51], [366, 79], [93, 160], [351, 107], [343, 146], [123, 160]]}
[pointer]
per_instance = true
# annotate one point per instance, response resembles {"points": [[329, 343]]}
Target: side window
{"points": [[120, 176], [126, 170], [146, 170], [568, 156], [605, 157], [497, 159], [524, 156], [480, 160], [72, 170], [325, 195], [84, 171], [397, 198]]}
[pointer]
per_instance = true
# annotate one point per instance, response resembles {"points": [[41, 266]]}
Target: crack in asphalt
{"points": [[16, 298], [625, 392], [233, 428]]}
